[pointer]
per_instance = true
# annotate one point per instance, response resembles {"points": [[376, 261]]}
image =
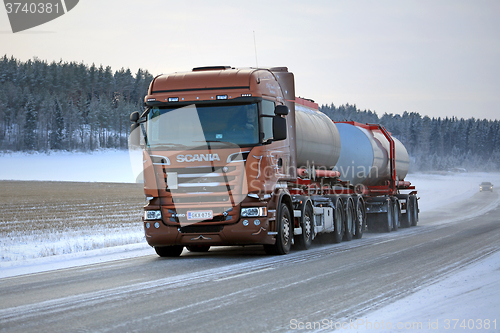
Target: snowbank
{"points": [[467, 301]]}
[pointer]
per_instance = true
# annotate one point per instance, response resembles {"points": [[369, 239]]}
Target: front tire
{"points": [[198, 248], [284, 228], [169, 251]]}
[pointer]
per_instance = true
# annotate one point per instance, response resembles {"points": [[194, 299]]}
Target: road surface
{"points": [[243, 290]]}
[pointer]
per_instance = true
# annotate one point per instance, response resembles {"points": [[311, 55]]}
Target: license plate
{"points": [[200, 215]]}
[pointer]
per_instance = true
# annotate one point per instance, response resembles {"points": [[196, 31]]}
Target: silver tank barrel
{"points": [[364, 156], [317, 139]]}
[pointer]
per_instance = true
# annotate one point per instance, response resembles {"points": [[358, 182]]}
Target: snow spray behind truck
{"points": [[233, 157]]}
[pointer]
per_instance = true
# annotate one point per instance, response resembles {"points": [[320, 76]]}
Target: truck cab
{"points": [[216, 144]]}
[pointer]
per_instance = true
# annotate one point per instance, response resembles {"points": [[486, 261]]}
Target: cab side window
{"points": [[266, 119]]}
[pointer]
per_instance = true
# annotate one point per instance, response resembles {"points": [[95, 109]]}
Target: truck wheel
{"points": [[396, 214], [388, 221], [284, 237], [169, 251], [304, 240], [406, 217], [338, 220], [349, 220], [383, 221], [414, 210], [198, 248], [360, 218], [410, 213]]}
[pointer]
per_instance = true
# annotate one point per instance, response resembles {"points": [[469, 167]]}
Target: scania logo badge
{"points": [[201, 237]]}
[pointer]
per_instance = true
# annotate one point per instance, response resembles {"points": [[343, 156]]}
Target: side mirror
{"points": [[279, 128], [281, 110], [134, 116], [135, 134]]}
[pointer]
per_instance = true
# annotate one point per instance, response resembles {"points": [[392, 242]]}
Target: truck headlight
{"points": [[152, 214], [253, 211]]}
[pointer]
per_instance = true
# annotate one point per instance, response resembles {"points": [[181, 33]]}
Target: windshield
{"points": [[192, 126]]}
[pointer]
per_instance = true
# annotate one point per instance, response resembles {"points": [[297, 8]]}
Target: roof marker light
{"points": [[173, 99], [246, 95], [221, 96]]}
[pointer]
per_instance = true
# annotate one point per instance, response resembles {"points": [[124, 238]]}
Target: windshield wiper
{"points": [[227, 143], [168, 145], [215, 141]]}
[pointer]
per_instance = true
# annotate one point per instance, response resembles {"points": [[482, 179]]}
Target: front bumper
{"points": [[246, 231]]}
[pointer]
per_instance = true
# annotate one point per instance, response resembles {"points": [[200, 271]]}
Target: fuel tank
{"points": [[364, 156], [317, 138]]}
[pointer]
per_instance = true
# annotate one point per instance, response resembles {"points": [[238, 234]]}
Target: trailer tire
{"points": [[414, 210], [396, 214], [169, 251], [304, 240], [388, 221], [284, 227], [338, 221], [383, 222], [198, 248], [406, 217], [360, 218], [349, 218]]}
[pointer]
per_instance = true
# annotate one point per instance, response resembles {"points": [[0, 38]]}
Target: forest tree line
{"points": [[67, 105], [75, 107]]}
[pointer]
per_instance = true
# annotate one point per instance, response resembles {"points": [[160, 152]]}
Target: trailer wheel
{"points": [[406, 217], [360, 218], [304, 240], [387, 220], [349, 220], [338, 220], [198, 248], [414, 210], [284, 237], [384, 221], [396, 214], [169, 251], [410, 212]]}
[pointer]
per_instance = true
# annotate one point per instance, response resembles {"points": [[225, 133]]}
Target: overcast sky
{"points": [[438, 58]]}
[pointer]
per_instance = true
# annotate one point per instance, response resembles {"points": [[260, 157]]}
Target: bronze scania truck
{"points": [[233, 157]]}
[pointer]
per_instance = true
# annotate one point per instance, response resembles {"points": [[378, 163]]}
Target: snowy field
{"points": [[85, 228], [112, 166], [476, 284]]}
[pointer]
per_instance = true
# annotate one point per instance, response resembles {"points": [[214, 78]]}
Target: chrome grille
{"points": [[202, 184]]}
